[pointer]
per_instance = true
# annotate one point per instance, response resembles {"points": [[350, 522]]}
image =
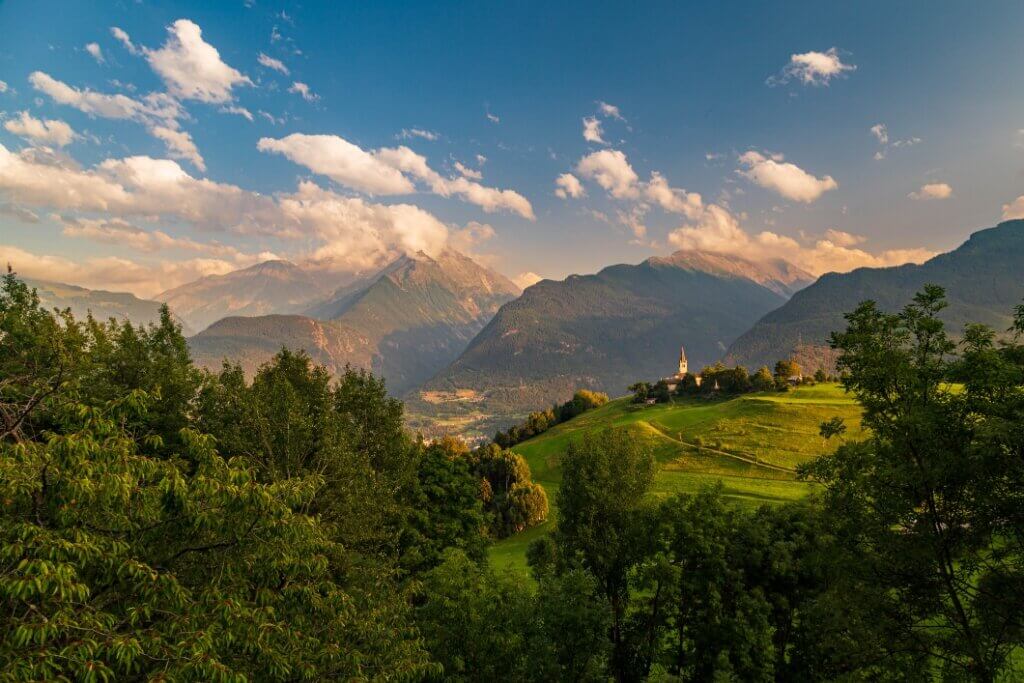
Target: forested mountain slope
{"points": [[983, 278]]}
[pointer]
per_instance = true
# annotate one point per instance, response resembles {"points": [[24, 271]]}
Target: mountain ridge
{"points": [[981, 277]]}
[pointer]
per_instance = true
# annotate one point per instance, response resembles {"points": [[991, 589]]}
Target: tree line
{"points": [[160, 522], [720, 379]]}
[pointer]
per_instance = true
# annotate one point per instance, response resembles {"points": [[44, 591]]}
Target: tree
{"points": [[786, 368], [641, 390], [660, 392], [820, 375], [763, 380], [446, 508], [602, 520], [513, 501], [925, 507], [118, 564]]}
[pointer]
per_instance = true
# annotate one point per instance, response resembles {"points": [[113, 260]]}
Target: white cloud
{"points": [[881, 133], [408, 133], [467, 172], [493, 118], [468, 238], [610, 169], [610, 110], [150, 108], [97, 53], [671, 199], [49, 131], [180, 145], [526, 279], [192, 68], [387, 171], [3, 86], [719, 231], [341, 161], [240, 111], [487, 198], [340, 232], [787, 179], [1014, 209], [481, 160], [844, 239], [812, 68], [592, 130], [932, 191], [271, 63], [568, 185], [125, 40], [302, 89]]}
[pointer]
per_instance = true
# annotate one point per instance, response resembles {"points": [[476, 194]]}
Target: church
{"points": [[674, 381]]}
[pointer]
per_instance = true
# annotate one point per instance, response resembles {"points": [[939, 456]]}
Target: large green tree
{"points": [[928, 507]]}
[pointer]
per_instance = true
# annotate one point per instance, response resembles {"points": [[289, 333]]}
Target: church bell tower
{"points": [[683, 365]]}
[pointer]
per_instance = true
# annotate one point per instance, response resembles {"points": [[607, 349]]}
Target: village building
{"points": [[675, 380]]}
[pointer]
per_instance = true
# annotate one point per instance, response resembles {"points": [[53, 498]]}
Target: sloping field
{"points": [[751, 444]]}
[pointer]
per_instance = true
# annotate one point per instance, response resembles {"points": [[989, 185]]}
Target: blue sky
{"points": [[123, 165]]}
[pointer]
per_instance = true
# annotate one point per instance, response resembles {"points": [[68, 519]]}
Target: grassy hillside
{"points": [[750, 443]]}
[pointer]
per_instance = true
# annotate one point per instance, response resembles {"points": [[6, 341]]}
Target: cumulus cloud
{"points": [[526, 279], [192, 68], [610, 110], [592, 130], [1014, 209], [3, 87], [335, 231], [153, 107], [467, 172], [784, 178], [471, 236], [812, 68], [672, 199], [271, 63], [843, 239], [48, 131], [180, 145], [97, 53], [122, 37], [387, 171], [719, 231], [881, 133], [493, 118], [932, 191], [300, 88], [341, 161], [568, 185], [611, 170]]}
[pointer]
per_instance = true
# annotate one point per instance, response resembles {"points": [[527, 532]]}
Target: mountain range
{"points": [[607, 330], [267, 287], [100, 303], [405, 323], [983, 278]]}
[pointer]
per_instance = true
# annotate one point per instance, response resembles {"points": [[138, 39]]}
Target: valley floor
{"points": [[752, 444]]}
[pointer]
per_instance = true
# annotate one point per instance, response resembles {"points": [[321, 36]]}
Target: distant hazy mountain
{"points": [[102, 304], [405, 323], [268, 287], [984, 280], [608, 330]]}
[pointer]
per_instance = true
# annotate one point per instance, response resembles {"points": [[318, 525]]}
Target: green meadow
{"points": [[750, 443]]}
